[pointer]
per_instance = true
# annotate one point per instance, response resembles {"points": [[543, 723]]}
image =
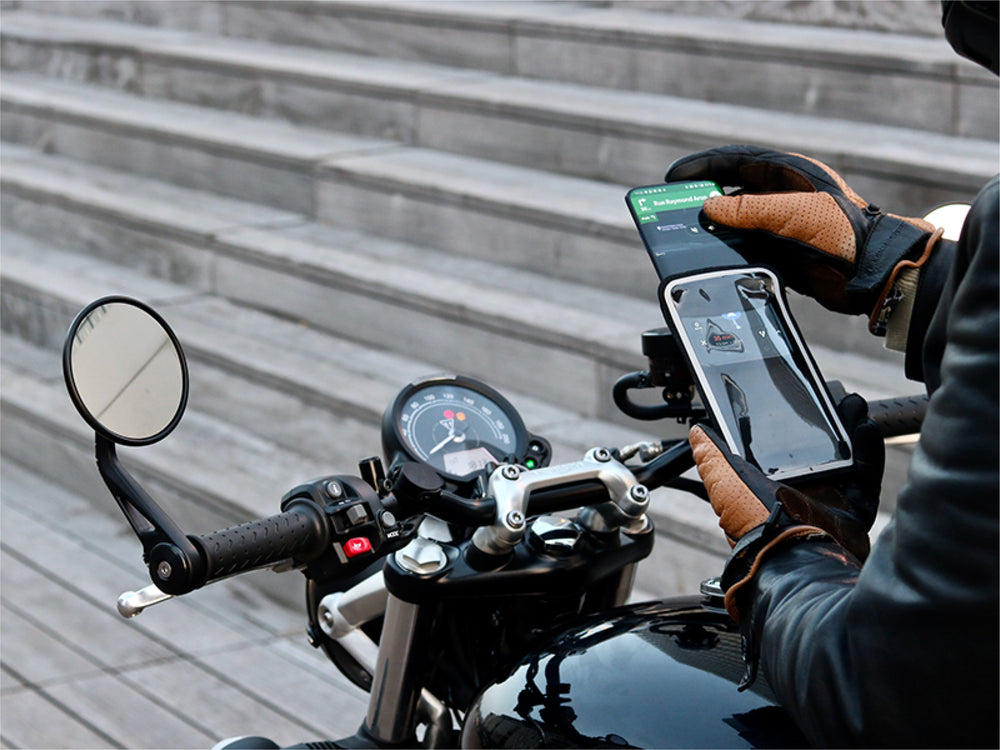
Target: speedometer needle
{"points": [[442, 444]]}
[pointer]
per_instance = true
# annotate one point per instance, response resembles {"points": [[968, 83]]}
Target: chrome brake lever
{"points": [[131, 603]]}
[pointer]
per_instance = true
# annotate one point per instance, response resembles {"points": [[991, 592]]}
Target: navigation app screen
{"points": [[676, 234]]}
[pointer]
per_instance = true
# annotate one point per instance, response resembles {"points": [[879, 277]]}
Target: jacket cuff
{"points": [[746, 558], [890, 241]]}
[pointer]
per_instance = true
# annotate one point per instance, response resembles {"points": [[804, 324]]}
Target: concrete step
{"points": [[594, 132], [461, 204], [457, 314], [829, 72], [574, 229]]}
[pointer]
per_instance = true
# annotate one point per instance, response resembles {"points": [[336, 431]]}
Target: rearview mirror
{"points": [[125, 371]]}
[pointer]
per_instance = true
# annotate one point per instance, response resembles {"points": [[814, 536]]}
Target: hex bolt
{"points": [[333, 489], [163, 570], [602, 454], [639, 493], [515, 519], [510, 472]]}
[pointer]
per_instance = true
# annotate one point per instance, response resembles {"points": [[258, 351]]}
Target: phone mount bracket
{"points": [[667, 370]]}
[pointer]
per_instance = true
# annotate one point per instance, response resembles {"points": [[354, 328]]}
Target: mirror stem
{"points": [[175, 564]]}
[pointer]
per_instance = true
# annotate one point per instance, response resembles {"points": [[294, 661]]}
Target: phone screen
{"points": [[757, 381], [676, 234]]}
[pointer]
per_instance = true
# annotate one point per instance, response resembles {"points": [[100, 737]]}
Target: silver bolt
{"points": [[639, 493], [602, 454], [334, 490], [510, 472], [515, 519], [163, 570], [327, 616]]}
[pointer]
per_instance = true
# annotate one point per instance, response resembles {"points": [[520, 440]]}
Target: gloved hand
{"points": [[758, 514], [831, 244]]}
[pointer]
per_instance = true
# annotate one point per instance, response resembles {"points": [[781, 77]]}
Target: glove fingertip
{"points": [[722, 209], [704, 435]]}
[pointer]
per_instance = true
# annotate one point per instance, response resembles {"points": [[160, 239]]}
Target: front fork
{"points": [[396, 689], [397, 701]]}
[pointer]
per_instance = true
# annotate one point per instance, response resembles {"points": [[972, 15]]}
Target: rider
{"points": [[901, 649]]}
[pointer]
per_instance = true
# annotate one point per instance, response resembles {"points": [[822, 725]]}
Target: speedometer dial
{"points": [[458, 426], [456, 430]]}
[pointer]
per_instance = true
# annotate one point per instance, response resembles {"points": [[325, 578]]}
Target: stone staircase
{"points": [[328, 200]]}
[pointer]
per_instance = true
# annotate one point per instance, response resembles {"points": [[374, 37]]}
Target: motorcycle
{"points": [[476, 591]]}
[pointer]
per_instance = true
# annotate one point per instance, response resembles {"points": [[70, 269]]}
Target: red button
{"points": [[357, 546]]}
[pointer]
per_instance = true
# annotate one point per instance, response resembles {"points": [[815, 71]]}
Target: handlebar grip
{"points": [[898, 416], [300, 532]]}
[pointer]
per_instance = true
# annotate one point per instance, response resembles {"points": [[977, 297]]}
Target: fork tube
{"points": [[396, 685]]}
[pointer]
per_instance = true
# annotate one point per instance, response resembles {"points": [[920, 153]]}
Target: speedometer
{"points": [[458, 426]]}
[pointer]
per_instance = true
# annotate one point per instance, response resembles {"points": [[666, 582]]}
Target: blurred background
{"points": [[327, 200]]}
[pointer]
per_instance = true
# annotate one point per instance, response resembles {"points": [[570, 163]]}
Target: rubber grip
{"points": [[898, 416], [300, 533]]}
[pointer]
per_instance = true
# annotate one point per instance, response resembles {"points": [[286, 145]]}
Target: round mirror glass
{"points": [[950, 217], [125, 371]]}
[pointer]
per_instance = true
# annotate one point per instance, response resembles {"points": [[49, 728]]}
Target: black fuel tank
{"points": [[652, 675]]}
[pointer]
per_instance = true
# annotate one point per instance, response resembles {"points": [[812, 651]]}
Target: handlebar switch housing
{"points": [[362, 530]]}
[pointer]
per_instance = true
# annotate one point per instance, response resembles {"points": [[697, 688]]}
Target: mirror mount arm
{"points": [[175, 564]]}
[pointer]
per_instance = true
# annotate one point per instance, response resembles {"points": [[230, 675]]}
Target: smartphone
{"points": [[677, 235], [755, 375]]}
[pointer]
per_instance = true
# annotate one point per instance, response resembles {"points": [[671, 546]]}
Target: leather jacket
{"points": [[904, 651]]}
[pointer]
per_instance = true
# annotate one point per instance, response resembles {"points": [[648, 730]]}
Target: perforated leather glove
{"points": [[829, 243], [759, 514]]}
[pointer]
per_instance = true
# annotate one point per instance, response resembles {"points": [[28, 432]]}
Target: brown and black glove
{"points": [[759, 514], [828, 242]]}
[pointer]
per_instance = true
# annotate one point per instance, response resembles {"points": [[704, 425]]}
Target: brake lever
{"points": [[132, 603]]}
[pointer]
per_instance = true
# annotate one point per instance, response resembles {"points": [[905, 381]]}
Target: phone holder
{"points": [[667, 370]]}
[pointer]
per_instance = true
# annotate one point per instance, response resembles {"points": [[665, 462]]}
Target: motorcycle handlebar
{"points": [[300, 532], [898, 416]]}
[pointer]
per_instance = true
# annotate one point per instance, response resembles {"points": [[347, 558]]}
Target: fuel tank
{"points": [[658, 675]]}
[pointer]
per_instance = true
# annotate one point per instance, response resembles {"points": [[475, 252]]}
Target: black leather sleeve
{"points": [[904, 651]]}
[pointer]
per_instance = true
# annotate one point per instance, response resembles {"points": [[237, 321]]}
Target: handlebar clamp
{"points": [[511, 487]]}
